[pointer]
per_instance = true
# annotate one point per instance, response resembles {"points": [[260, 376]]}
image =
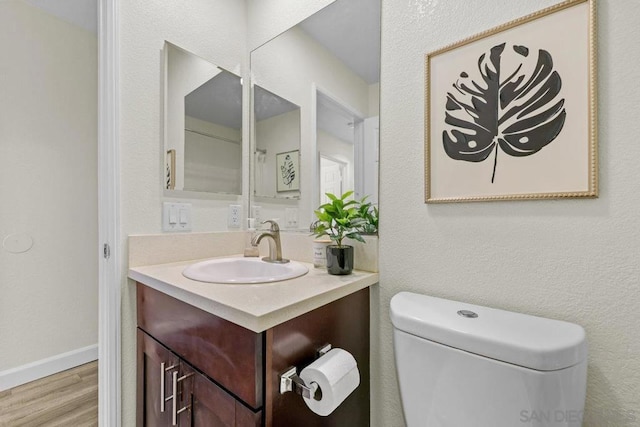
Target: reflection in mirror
{"points": [[329, 66], [277, 145], [203, 125], [335, 135], [347, 147]]}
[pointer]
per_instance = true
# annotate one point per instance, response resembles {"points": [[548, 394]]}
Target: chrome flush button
{"points": [[467, 313]]}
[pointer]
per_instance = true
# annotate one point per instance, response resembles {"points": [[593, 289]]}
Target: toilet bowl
{"points": [[462, 365]]}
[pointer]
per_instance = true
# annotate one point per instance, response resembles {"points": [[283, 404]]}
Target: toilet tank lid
{"points": [[533, 342]]}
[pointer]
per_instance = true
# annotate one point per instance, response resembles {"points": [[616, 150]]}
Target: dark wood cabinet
{"points": [[222, 350], [228, 376]]}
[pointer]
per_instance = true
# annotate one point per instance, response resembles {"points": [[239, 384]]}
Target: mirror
{"points": [[328, 65], [202, 125], [277, 145]]}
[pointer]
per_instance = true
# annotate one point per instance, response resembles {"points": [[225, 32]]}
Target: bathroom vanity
{"points": [[220, 348]]}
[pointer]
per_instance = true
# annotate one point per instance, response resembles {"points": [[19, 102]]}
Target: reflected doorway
{"points": [[332, 173], [338, 129]]}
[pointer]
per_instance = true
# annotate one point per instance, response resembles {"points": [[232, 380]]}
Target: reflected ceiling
{"points": [[359, 48], [218, 101]]}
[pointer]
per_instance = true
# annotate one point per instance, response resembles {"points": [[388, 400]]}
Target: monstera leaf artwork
{"points": [[288, 171], [513, 105]]}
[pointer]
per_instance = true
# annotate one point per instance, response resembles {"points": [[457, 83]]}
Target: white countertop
{"points": [[257, 307]]}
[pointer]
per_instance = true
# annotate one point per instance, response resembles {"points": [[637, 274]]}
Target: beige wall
{"points": [[48, 185], [575, 260], [214, 30]]}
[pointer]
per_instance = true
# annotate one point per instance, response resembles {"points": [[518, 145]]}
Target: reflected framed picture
{"points": [[170, 170], [510, 113], [288, 171]]}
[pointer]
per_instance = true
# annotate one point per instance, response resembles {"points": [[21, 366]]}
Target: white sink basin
{"points": [[243, 270]]}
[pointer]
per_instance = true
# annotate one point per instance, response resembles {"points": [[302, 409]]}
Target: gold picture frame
{"points": [[533, 132]]}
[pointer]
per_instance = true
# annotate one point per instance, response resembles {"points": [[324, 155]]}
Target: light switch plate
{"points": [[176, 216]]}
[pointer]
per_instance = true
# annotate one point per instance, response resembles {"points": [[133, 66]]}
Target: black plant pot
{"points": [[339, 259]]}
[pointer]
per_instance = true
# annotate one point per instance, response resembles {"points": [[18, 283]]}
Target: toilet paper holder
{"points": [[290, 381]]}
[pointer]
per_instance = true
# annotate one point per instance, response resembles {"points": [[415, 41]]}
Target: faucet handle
{"points": [[274, 225]]}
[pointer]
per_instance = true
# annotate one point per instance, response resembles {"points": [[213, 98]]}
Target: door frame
{"points": [[109, 251]]}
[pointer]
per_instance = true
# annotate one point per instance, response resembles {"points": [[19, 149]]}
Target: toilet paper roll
{"points": [[336, 375]]}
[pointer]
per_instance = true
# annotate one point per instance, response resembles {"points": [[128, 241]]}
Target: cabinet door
{"points": [[155, 368], [344, 324]]}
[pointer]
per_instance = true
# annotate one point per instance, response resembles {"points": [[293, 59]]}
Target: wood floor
{"points": [[69, 398]]}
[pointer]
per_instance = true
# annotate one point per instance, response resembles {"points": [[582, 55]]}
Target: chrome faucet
{"points": [[275, 248]]}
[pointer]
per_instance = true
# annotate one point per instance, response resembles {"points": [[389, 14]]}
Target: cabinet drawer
{"points": [[229, 353]]}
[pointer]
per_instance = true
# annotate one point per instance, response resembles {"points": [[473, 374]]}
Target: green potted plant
{"points": [[339, 219]]}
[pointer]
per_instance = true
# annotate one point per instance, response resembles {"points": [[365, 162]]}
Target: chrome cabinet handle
{"points": [[174, 397], [163, 371], [174, 412]]}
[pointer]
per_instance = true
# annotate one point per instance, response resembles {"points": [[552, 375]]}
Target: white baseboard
{"points": [[45, 367]]}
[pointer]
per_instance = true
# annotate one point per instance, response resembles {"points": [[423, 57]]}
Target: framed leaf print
{"points": [[170, 170], [511, 112], [288, 171]]}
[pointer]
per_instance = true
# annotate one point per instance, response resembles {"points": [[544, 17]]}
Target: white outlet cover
{"points": [[291, 215], [235, 214], [257, 214]]}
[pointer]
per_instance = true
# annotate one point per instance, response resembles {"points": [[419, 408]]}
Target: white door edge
{"points": [[109, 386]]}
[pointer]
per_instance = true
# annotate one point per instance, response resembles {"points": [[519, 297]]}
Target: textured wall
{"points": [[48, 185], [575, 260], [214, 30]]}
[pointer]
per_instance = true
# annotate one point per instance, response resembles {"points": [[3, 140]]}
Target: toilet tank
{"points": [[465, 365]]}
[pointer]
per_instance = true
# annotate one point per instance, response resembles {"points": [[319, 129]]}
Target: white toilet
{"points": [[462, 365]]}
